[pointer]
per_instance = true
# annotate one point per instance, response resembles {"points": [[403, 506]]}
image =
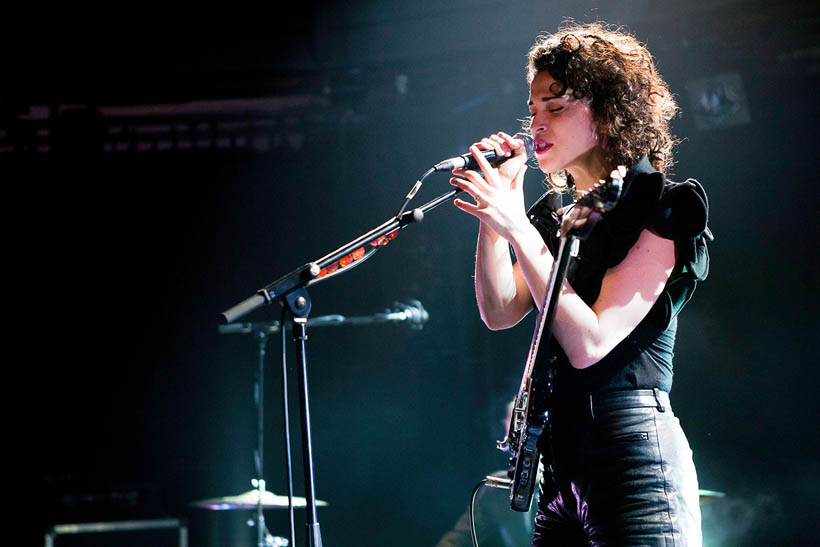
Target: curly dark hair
{"points": [[629, 99]]}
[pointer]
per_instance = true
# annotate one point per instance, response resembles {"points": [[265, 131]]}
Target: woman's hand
{"points": [[499, 194]]}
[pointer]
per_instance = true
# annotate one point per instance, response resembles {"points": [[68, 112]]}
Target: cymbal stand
{"points": [[259, 453], [260, 332], [262, 534]]}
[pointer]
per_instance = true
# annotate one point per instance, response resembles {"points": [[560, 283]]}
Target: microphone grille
{"points": [[529, 144]]}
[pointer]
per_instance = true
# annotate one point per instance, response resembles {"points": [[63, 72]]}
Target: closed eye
{"points": [[557, 109]]}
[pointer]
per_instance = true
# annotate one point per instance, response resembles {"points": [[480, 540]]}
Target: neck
{"points": [[588, 168]]}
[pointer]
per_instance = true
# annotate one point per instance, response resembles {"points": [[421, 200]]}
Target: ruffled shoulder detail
{"points": [[683, 211], [682, 215], [674, 210], [619, 229]]}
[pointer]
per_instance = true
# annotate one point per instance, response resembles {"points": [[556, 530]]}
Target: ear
{"points": [[603, 135]]}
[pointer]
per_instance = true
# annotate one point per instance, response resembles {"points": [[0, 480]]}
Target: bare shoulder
{"points": [[649, 249], [640, 277]]}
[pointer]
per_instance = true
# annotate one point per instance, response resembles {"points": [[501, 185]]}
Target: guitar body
{"points": [[525, 463], [525, 468]]}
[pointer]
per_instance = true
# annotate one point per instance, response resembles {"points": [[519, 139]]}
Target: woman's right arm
{"points": [[502, 293]]}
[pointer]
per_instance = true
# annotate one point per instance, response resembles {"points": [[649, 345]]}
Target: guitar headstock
{"points": [[590, 205]]}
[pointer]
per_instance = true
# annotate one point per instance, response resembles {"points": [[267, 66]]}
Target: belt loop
{"points": [[591, 408], [657, 393]]}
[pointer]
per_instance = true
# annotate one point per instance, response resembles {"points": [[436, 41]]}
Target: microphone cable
{"points": [[413, 191]]}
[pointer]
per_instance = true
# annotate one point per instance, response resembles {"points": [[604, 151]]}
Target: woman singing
{"points": [[622, 470]]}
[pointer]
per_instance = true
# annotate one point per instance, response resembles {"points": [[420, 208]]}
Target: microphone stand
{"points": [[290, 291]]}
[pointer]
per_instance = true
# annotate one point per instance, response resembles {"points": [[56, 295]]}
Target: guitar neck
{"points": [[543, 330]]}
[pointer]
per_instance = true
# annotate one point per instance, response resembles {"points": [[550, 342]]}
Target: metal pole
{"points": [[259, 396], [314, 536]]}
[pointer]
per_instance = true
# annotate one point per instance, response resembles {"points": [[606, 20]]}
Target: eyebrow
{"points": [[545, 99]]}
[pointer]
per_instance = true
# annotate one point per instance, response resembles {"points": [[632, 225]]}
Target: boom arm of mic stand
{"points": [[306, 274]]}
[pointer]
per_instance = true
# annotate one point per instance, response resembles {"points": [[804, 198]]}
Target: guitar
{"points": [[530, 418]]}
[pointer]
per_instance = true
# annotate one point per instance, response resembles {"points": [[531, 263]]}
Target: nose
{"points": [[538, 123]]}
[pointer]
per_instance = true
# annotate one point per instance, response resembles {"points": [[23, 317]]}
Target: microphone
{"points": [[413, 312], [467, 161]]}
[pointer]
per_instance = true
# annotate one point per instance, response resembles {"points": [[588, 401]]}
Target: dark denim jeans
{"points": [[623, 477]]}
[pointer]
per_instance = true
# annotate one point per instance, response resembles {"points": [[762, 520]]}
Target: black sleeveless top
{"points": [[674, 210]]}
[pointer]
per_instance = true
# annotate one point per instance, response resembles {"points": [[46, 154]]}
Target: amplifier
{"points": [[124, 533]]}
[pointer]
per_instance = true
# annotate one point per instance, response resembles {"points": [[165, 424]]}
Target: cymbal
{"points": [[710, 495], [249, 500]]}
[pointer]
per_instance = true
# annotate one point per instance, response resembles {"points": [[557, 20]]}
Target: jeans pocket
{"points": [[633, 436]]}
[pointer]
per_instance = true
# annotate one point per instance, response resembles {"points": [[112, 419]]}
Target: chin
{"points": [[547, 166]]}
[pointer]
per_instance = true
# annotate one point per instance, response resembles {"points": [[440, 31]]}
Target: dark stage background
{"points": [[162, 167]]}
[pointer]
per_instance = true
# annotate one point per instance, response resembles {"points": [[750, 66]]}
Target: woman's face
{"points": [[562, 127]]}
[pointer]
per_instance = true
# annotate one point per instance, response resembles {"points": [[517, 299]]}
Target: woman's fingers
{"points": [[476, 209], [501, 175], [479, 182], [493, 142], [510, 141], [468, 187], [466, 206], [505, 145], [481, 160]]}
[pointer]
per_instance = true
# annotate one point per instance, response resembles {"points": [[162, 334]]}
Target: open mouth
{"points": [[542, 146]]}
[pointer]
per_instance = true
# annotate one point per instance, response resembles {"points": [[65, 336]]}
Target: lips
{"points": [[541, 146]]}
